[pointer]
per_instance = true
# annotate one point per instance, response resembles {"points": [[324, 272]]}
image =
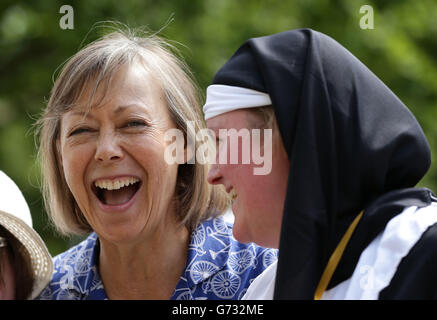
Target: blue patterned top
{"points": [[218, 267]]}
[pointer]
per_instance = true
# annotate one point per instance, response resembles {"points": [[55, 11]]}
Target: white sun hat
{"points": [[15, 217]]}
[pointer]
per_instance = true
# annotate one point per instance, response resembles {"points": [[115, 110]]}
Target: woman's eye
{"points": [[79, 131], [135, 123]]}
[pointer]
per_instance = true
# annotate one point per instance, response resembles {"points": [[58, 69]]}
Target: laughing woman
{"points": [[154, 228]]}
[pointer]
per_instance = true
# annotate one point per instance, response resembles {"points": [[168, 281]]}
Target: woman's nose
{"points": [[214, 175], [108, 149]]}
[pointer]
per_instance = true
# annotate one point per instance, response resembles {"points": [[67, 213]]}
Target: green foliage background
{"points": [[400, 50]]}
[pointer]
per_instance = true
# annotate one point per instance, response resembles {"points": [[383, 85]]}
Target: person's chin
{"points": [[240, 231], [243, 233], [119, 234], [118, 227]]}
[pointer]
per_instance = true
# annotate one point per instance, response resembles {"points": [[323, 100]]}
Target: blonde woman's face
{"points": [[113, 158]]}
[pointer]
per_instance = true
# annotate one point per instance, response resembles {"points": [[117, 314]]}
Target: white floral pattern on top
{"points": [[218, 267]]}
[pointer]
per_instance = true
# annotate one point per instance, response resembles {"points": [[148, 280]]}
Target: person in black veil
{"points": [[350, 223]]}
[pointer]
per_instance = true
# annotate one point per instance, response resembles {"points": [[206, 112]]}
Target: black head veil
{"points": [[349, 140]]}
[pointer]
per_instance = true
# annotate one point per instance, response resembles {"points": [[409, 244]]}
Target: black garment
{"points": [[352, 145]]}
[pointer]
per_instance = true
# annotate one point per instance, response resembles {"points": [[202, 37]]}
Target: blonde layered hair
{"points": [[96, 64]]}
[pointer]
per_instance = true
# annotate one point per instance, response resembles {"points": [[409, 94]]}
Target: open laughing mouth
{"points": [[116, 192]]}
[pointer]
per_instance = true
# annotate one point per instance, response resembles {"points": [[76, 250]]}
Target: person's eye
{"points": [[135, 124], [79, 131]]}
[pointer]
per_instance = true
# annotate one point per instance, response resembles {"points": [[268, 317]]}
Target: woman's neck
{"points": [[147, 269]]}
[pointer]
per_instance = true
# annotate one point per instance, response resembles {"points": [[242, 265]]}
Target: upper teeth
{"points": [[115, 184]]}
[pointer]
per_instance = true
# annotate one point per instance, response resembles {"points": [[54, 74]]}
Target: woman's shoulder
{"points": [[220, 267], [217, 233], [74, 272], [79, 253]]}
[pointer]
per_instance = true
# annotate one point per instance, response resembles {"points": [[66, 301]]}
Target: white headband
{"points": [[221, 99]]}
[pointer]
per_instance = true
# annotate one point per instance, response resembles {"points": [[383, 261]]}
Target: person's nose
{"points": [[214, 174], [108, 148]]}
